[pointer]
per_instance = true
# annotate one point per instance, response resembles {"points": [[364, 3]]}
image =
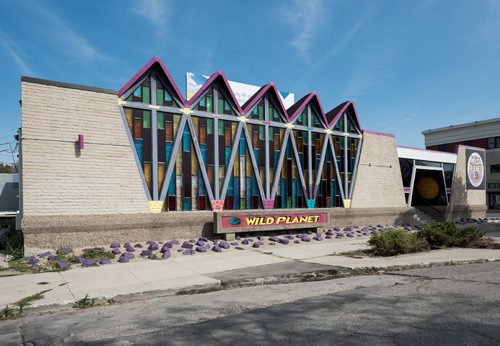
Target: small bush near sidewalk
{"points": [[395, 242], [448, 234]]}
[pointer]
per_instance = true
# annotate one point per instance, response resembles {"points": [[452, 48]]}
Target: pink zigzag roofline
{"points": [[255, 98]]}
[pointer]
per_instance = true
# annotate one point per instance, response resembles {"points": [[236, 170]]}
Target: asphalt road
{"points": [[450, 305]]}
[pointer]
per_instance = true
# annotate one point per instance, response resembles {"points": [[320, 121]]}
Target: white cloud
{"points": [[156, 12], [10, 47], [305, 17]]}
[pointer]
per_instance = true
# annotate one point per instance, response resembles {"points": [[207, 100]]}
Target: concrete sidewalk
{"points": [[212, 271]]}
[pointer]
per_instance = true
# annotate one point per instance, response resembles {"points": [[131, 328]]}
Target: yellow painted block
{"points": [[121, 102], [243, 119], [186, 111], [156, 206], [154, 107], [289, 125], [347, 203]]}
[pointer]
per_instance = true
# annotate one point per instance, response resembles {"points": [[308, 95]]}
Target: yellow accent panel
{"points": [[347, 203], [243, 119], [290, 126], [154, 107], [156, 206], [121, 102], [328, 132], [186, 111]]}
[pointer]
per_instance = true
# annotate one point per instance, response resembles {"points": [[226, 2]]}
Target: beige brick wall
{"points": [[56, 180], [460, 196], [379, 183]]}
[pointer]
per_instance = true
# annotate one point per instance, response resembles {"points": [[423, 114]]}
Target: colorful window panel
{"points": [[339, 125], [164, 96], [139, 123], [142, 93], [290, 193], [167, 125], [302, 118], [223, 105], [258, 111], [190, 190], [227, 133], [328, 189], [206, 103], [276, 136], [257, 135], [352, 147]]}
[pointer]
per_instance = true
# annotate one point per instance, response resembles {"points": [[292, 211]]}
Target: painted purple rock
{"points": [[79, 259], [336, 228], [192, 241], [296, 241], [216, 248], [239, 248], [165, 247], [272, 243], [349, 235], [33, 261], [187, 245], [123, 259], [201, 249], [153, 246], [256, 244], [235, 243], [380, 226], [200, 243], [45, 254], [114, 245], [260, 237], [174, 242], [245, 242], [347, 229], [205, 239], [274, 239], [138, 246], [237, 237], [329, 232], [62, 265], [51, 258], [328, 236], [338, 236], [166, 254], [224, 244], [105, 261], [284, 241], [116, 251], [127, 244], [146, 253], [289, 236], [130, 249], [180, 250], [306, 239], [188, 252], [318, 237], [88, 263], [309, 232]]}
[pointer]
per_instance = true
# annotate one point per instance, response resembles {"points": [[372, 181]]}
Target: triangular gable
{"points": [[267, 90], [154, 64], [312, 99], [334, 115], [216, 79]]}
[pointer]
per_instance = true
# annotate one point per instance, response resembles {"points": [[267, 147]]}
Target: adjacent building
{"points": [[483, 134]]}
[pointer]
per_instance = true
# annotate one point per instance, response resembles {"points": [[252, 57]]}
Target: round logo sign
{"points": [[475, 169]]}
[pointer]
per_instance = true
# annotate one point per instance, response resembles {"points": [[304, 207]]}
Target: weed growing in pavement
{"points": [[84, 303], [19, 265], [8, 313], [22, 303], [97, 253]]}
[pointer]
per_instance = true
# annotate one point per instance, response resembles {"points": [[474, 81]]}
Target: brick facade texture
{"points": [[378, 183], [57, 178]]}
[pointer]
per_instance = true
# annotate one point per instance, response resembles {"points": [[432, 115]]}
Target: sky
{"points": [[407, 65]]}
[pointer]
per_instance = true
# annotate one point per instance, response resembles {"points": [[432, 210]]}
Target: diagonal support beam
{"points": [[337, 173], [173, 157], [254, 164], [277, 169], [319, 169], [299, 165], [197, 150], [355, 170], [134, 152], [229, 168]]}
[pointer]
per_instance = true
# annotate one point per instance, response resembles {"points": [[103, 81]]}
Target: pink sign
{"points": [[273, 220]]}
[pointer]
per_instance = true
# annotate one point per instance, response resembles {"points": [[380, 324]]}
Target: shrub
{"points": [[447, 234], [395, 242]]}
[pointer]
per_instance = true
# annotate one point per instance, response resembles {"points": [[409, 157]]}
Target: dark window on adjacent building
{"points": [[495, 169], [493, 142]]}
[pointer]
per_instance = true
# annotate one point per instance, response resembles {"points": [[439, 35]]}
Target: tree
{"points": [[6, 168]]}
